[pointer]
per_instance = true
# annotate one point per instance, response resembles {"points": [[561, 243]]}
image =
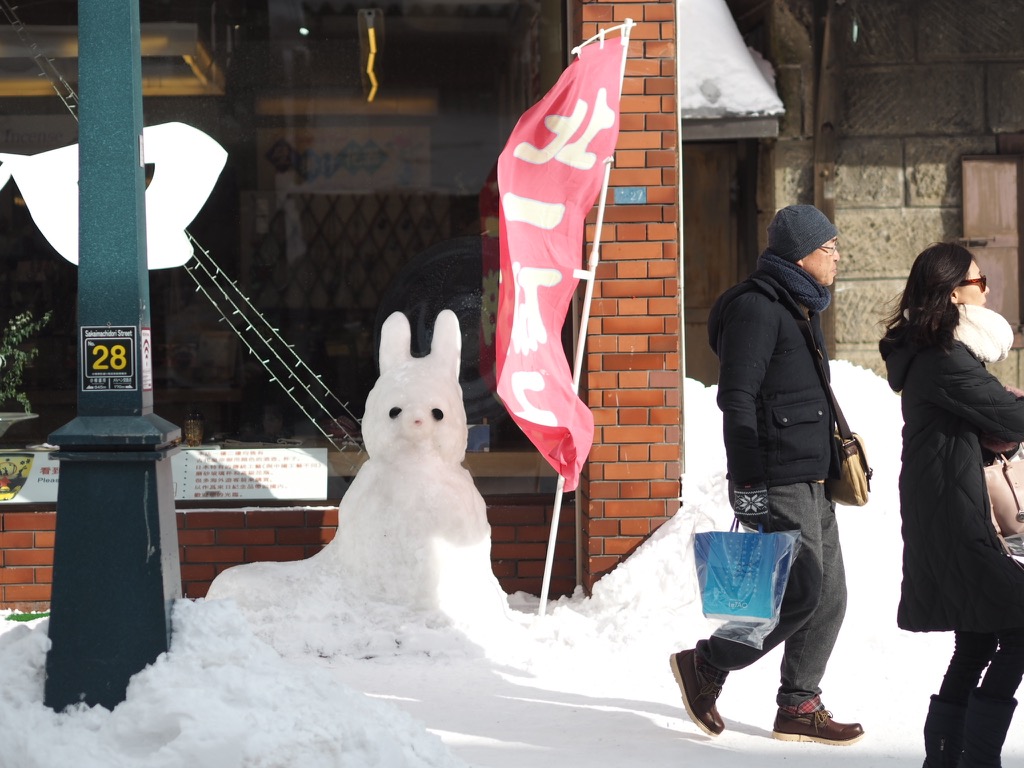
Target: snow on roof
{"points": [[720, 76]]}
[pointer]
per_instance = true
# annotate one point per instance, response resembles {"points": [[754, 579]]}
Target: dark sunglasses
{"points": [[981, 282]]}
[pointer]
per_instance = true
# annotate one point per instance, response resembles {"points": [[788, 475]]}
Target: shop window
{"points": [[344, 198]]}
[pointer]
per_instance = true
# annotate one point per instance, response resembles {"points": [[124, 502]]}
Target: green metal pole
{"points": [[116, 571]]}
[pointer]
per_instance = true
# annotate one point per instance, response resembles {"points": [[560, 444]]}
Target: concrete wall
{"points": [[918, 85]]}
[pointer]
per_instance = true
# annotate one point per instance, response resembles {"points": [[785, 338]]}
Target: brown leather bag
{"points": [[854, 482]]}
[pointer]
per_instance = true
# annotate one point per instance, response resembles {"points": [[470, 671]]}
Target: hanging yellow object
{"points": [[369, 63]]}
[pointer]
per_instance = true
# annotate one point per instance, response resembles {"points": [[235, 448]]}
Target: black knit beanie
{"points": [[798, 230]]}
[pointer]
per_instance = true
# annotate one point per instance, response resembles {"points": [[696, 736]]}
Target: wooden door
{"points": [[711, 233]]}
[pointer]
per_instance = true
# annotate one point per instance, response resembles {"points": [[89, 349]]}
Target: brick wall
{"points": [[634, 380], [209, 541]]}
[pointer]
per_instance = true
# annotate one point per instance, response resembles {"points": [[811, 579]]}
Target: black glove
{"points": [[750, 505]]}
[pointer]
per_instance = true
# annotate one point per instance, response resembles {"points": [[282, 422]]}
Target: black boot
{"points": [[985, 729], [943, 734]]}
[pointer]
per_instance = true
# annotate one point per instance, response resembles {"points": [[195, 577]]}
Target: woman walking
{"points": [[956, 574]]}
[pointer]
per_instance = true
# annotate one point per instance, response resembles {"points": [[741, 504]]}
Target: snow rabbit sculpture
{"points": [[412, 527]]}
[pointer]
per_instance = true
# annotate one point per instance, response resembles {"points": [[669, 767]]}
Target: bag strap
{"points": [[844, 429], [1005, 471]]}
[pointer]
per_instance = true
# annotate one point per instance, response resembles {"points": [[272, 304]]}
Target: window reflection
{"points": [[334, 210]]}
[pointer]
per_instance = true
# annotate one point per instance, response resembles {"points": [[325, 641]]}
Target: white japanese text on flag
{"points": [[549, 176]]}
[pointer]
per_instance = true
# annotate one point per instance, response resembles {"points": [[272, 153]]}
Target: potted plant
{"points": [[13, 358]]}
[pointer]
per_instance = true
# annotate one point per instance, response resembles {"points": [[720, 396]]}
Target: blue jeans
{"points": [[813, 606]]}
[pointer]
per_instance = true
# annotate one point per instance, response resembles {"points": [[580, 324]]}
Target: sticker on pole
{"points": [[108, 358]]}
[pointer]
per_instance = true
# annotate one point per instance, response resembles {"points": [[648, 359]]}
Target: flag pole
{"points": [[589, 276]]}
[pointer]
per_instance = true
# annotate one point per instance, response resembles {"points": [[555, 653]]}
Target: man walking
{"points": [[778, 426]]}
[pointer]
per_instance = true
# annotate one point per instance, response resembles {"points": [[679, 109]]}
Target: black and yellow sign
{"points": [[108, 358]]}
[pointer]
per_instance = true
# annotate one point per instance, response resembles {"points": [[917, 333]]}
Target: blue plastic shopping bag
{"points": [[742, 575]]}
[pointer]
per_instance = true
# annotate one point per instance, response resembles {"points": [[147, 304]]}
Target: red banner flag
{"points": [[549, 176]]}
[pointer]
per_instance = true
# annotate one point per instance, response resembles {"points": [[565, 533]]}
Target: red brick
{"points": [[327, 517], [214, 555], [275, 518], [302, 535], [635, 527], [13, 557], [596, 12], [16, 540], [621, 545], [215, 519], [669, 489], [16, 576], [634, 471], [634, 416], [196, 589], [197, 537], [664, 452], [17, 594], [246, 536], [602, 528], [664, 343], [635, 490], [633, 398], [635, 452], [518, 551], [634, 362], [659, 12], [274, 554], [191, 572], [29, 521], [634, 434], [634, 379]]}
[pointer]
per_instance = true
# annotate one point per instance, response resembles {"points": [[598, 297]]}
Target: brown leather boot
{"points": [[698, 695], [816, 726]]}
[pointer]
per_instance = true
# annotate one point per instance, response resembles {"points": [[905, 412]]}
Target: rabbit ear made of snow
{"points": [[446, 346], [395, 342]]}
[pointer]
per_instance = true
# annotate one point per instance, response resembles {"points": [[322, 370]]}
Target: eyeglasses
{"points": [[981, 282], [830, 249]]}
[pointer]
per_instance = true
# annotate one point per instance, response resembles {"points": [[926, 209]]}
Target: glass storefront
{"points": [[360, 181]]}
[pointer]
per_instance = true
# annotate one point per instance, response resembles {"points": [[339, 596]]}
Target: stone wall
{"points": [[918, 84]]}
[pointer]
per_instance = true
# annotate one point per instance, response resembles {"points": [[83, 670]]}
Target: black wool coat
{"points": [[955, 573], [777, 421]]}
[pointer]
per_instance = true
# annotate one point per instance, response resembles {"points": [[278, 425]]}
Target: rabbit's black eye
{"points": [[438, 414], [393, 413]]}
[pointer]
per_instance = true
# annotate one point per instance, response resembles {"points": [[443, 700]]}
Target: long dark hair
{"points": [[925, 315]]}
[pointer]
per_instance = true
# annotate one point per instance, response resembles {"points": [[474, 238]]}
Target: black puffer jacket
{"points": [[776, 417], [955, 575]]}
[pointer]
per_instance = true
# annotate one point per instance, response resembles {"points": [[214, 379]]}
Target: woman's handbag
{"points": [[852, 486], [1005, 480], [742, 578]]}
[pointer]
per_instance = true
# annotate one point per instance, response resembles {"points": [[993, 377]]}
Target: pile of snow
{"points": [[338, 680]]}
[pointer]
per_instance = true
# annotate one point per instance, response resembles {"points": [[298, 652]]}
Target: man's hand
{"points": [[750, 505]]}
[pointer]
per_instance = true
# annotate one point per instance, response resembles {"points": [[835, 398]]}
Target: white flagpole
{"points": [[588, 297]]}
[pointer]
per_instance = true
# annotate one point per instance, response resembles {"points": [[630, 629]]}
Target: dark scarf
{"points": [[801, 286]]}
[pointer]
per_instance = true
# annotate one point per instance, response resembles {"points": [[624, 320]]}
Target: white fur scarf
{"points": [[984, 332]]}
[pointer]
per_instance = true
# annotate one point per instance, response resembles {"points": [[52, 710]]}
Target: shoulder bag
{"points": [[1005, 481], [851, 488]]}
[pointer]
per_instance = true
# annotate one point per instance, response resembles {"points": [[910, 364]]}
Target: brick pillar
{"points": [[633, 380]]}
